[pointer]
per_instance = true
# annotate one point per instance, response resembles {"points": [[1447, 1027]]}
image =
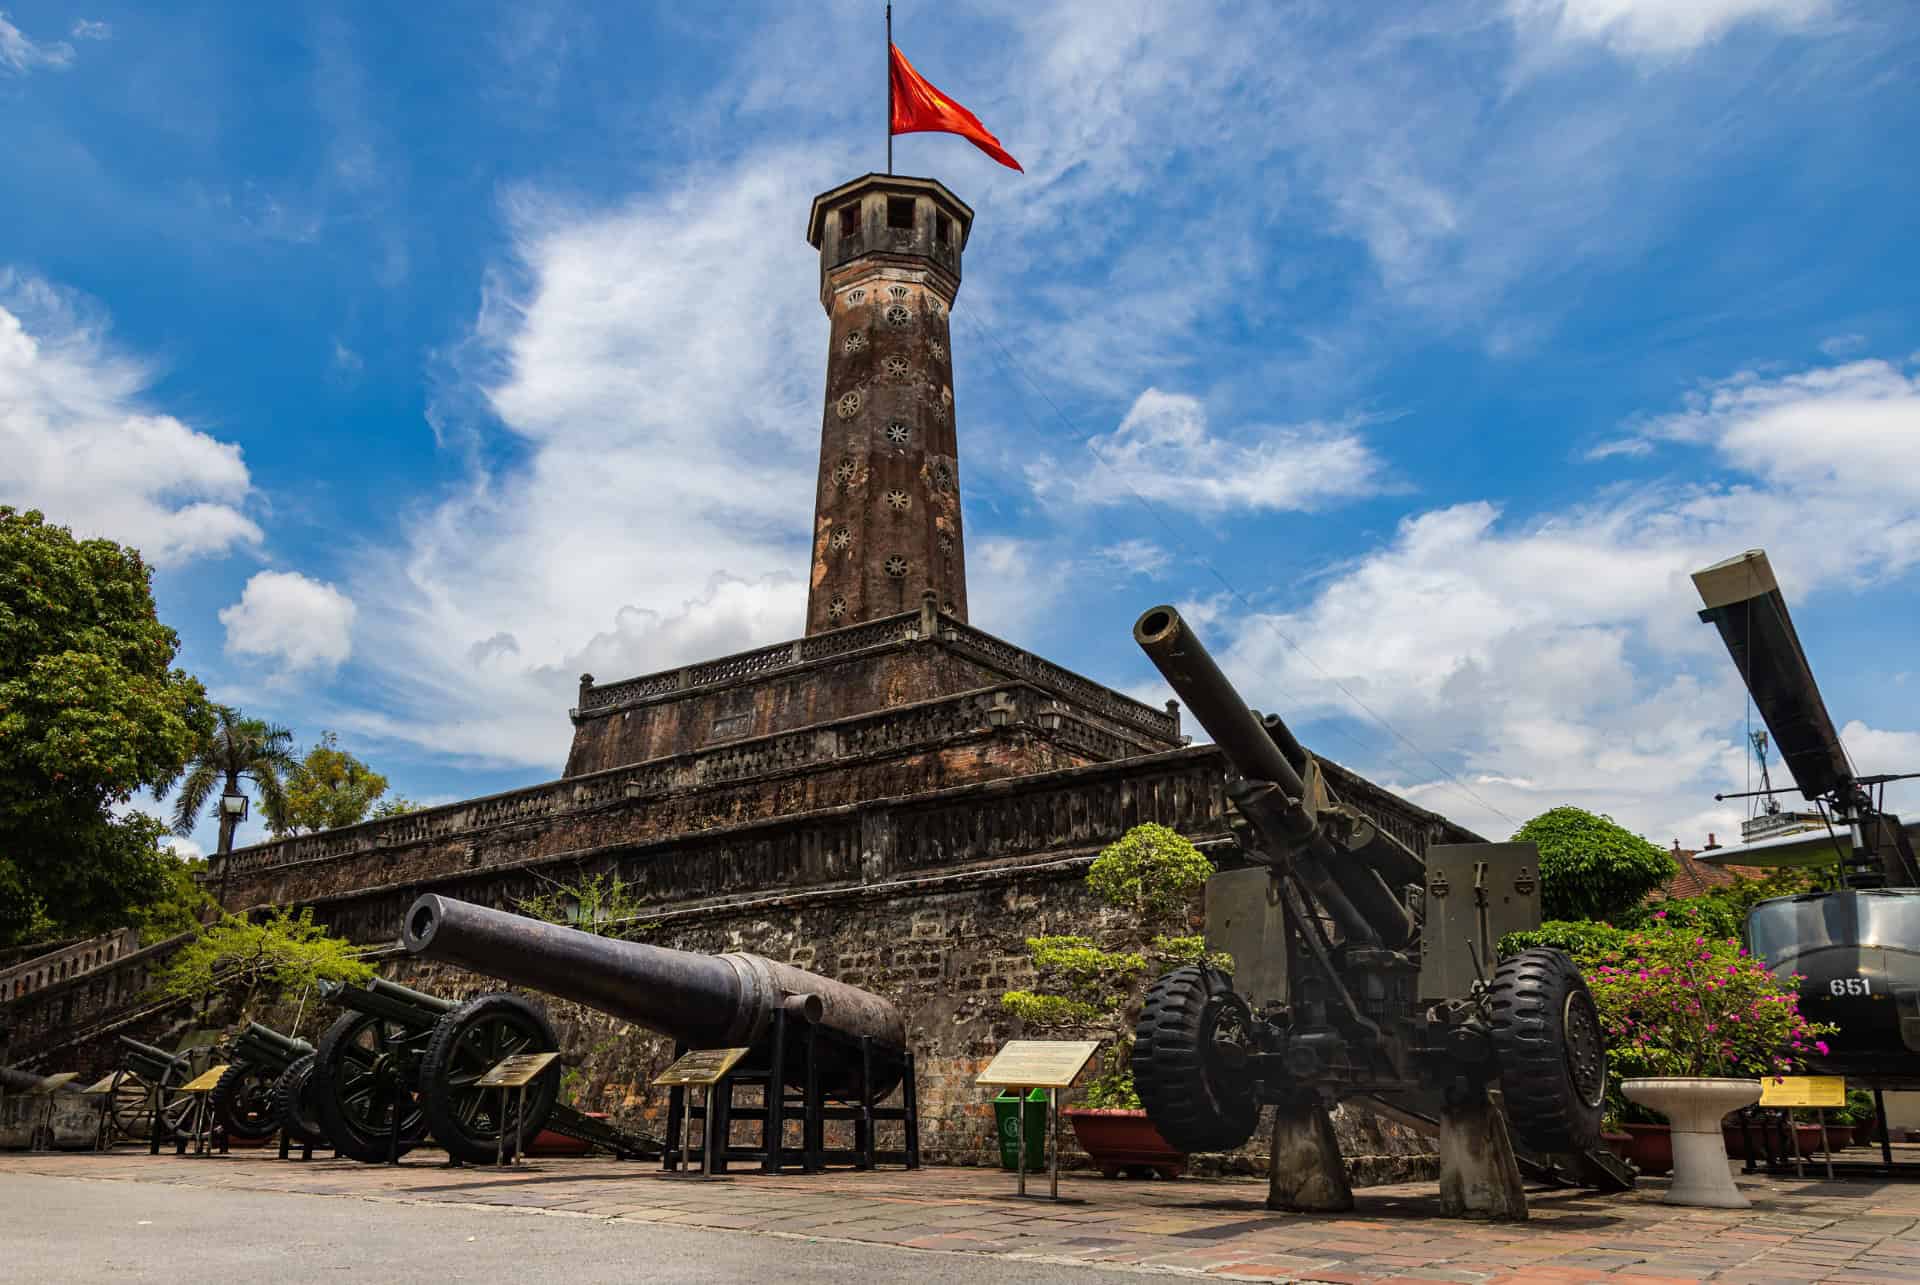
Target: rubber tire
{"points": [[240, 1078], [293, 1104], [1527, 1003], [343, 1135], [1170, 1068], [446, 1061]]}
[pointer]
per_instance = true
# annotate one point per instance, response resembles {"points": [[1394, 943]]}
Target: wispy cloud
{"points": [[20, 54]]}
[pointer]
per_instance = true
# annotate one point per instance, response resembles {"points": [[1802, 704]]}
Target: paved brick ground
{"points": [[1798, 1231]]}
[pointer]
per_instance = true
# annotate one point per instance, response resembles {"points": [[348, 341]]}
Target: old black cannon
{"points": [[262, 1085], [147, 1080], [822, 1038], [403, 1062], [1362, 973], [17, 1081]]}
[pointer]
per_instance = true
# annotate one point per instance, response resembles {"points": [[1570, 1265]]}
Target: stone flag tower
{"points": [[886, 526]]}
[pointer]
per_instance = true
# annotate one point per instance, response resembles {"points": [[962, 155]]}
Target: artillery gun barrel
{"points": [[1176, 651], [151, 1063], [705, 1001], [14, 1080]]}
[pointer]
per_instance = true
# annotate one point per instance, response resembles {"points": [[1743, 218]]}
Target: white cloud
{"points": [[284, 616], [1661, 28], [82, 445], [657, 363], [185, 849], [1164, 450], [1561, 660], [89, 29], [1135, 557], [22, 54]]}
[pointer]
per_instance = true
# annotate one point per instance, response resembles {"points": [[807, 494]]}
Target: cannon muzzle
{"points": [[149, 1062], [704, 1001], [1260, 751]]}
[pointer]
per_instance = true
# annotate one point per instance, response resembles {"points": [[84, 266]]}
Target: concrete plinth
{"points": [[1307, 1173], [1479, 1178]]}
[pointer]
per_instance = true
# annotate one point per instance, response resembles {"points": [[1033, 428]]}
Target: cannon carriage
{"points": [[1363, 972], [149, 1080]]}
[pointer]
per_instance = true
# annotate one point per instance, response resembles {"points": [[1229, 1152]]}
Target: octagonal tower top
{"points": [[889, 217]]}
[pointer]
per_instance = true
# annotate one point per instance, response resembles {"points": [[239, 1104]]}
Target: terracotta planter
{"points": [[549, 1143], [1694, 1107], [1649, 1148], [1118, 1141]]}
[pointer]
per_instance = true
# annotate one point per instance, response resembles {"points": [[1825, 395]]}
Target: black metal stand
{"points": [[1778, 1152], [780, 1105]]}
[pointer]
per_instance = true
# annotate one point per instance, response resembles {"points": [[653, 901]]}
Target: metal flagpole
{"points": [[889, 89]]}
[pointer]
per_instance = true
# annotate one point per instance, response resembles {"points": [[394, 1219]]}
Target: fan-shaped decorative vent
{"points": [[856, 295], [896, 367], [899, 434], [896, 566], [836, 608], [856, 342], [843, 473], [898, 501], [936, 307], [841, 538], [898, 292], [899, 315], [849, 404]]}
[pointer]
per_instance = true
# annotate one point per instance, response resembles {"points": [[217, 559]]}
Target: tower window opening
{"points": [[898, 501], [896, 566], [849, 220], [900, 212], [836, 608], [942, 229]]}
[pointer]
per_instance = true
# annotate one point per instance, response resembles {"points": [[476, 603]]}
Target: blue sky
{"points": [[439, 355]]}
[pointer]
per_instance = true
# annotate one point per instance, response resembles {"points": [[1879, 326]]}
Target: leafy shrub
{"points": [[1591, 868], [1580, 938]]}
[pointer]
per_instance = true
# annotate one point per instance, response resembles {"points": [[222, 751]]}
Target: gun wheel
{"points": [[294, 1106], [242, 1101], [131, 1104], [357, 1066], [1195, 1102], [1548, 1046], [467, 1120]]}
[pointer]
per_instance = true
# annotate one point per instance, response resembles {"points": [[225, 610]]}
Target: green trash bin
{"points": [[1006, 1115]]}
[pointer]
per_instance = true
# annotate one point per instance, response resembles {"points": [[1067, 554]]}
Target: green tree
{"points": [[239, 748], [91, 710], [325, 790], [397, 806], [1590, 867], [1151, 872], [602, 904], [273, 959], [180, 907]]}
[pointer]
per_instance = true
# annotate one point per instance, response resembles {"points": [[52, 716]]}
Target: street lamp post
{"points": [[233, 810]]}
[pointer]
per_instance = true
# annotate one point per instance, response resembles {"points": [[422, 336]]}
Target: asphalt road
{"points": [[81, 1230]]}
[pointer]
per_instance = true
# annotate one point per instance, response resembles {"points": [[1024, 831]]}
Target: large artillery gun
{"points": [[149, 1080], [1362, 971], [264, 1086], [400, 1066], [849, 1046]]}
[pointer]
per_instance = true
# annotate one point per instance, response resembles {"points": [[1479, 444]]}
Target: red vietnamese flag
{"points": [[919, 108]]}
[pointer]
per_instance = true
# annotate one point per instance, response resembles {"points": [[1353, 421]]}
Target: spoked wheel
{"points": [[1195, 1097], [468, 1043], [130, 1106], [1550, 1051], [359, 1064], [242, 1101], [293, 1104]]}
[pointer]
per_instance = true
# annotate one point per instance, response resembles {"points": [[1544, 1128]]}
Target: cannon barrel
{"points": [[14, 1080], [151, 1063], [1352, 883], [264, 1046], [382, 998], [1252, 747], [704, 1001]]}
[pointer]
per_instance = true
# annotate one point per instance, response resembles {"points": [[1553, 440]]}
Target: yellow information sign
{"points": [[1037, 1064], [702, 1066], [515, 1072], [104, 1084], [205, 1083], [1804, 1091]]}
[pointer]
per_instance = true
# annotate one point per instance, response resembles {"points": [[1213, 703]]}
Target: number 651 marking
{"points": [[1849, 986]]}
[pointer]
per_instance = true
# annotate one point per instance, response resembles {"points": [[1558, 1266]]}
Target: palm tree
{"points": [[239, 747]]}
